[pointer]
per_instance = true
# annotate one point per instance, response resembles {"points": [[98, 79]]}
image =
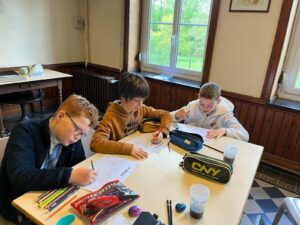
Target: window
{"points": [[291, 83], [174, 36]]}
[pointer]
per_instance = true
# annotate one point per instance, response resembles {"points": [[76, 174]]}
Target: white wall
{"points": [[242, 48], [106, 26], [39, 31]]}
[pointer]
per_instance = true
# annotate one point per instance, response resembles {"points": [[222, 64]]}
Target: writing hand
{"points": [[82, 176], [157, 137]]}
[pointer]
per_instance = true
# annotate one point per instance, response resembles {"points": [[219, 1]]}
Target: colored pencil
{"points": [[66, 192], [48, 193], [62, 206], [62, 199], [52, 197]]}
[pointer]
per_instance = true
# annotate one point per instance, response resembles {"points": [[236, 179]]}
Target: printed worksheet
{"points": [[193, 129], [144, 141], [111, 168]]}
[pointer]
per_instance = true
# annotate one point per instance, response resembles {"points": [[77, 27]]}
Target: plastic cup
{"points": [[199, 196], [229, 154]]}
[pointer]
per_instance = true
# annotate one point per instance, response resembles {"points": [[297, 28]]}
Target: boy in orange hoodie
{"points": [[123, 117]]}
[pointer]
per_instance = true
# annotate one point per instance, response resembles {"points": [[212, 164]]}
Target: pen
{"points": [[92, 165]]}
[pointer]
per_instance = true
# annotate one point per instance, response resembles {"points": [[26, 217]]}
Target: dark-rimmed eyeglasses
{"points": [[77, 131]]}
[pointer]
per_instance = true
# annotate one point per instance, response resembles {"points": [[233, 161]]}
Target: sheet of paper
{"points": [[193, 129], [111, 168], [144, 141]]}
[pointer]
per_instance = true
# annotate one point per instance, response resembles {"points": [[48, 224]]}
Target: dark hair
{"points": [[210, 91], [133, 85]]}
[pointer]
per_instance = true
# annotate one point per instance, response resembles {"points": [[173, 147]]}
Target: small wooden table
{"points": [[50, 78]]}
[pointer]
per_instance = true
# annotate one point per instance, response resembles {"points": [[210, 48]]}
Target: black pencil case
{"points": [[206, 166]]}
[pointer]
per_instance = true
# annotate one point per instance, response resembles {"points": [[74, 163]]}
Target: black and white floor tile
{"points": [[263, 201]]}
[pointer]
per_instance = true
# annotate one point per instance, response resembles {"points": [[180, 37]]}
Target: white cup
{"points": [[229, 154], [199, 196]]}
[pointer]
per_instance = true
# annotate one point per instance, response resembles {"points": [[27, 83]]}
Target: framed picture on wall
{"points": [[249, 5]]}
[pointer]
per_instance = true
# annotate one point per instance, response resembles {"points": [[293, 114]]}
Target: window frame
{"points": [[177, 72], [292, 64]]}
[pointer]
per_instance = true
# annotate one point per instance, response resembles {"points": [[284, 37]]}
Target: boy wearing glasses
{"points": [[123, 117], [213, 112], [40, 153]]}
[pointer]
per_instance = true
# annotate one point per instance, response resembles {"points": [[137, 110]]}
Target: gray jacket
{"points": [[221, 117]]}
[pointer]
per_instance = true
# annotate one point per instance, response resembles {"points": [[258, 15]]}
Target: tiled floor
{"points": [[263, 201]]}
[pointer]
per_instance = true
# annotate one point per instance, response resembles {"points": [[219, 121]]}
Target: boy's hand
{"points": [[181, 114], [157, 137], [82, 176], [216, 133], [138, 153]]}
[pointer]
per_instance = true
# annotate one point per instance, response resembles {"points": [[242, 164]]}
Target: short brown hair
{"points": [[210, 91], [77, 105], [132, 85]]}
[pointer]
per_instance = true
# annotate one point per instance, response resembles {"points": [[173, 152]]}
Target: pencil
{"points": [[218, 150], [160, 130], [42, 198], [65, 193], [67, 202], [61, 200], [52, 197], [171, 219], [92, 165], [168, 210]]}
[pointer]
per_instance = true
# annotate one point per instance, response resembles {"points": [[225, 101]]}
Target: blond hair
{"points": [[77, 105], [210, 91]]}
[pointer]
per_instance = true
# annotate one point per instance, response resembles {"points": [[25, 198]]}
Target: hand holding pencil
{"points": [[157, 136], [82, 176]]}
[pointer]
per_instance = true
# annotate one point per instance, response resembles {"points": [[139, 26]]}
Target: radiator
{"points": [[98, 88]]}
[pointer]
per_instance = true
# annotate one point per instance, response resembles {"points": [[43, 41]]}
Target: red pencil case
{"points": [[105, 201]]}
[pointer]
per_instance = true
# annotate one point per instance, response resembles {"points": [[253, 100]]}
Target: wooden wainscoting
{"points": [[277, 129]]}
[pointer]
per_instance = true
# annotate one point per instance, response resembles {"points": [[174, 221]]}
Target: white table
{"points": [[50, 78], [159, 178]]}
